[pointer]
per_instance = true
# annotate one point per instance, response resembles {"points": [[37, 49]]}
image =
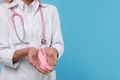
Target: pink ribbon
{"points": [[43, 60]]}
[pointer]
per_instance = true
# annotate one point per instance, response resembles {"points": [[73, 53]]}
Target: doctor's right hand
{"points": [[34, 60]]}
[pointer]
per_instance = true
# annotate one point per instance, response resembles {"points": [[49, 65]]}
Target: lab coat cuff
{"points": [[59, 49], [10, 60]]}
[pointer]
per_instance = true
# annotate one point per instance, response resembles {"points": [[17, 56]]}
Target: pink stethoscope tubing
{"points": [[43, 40]]}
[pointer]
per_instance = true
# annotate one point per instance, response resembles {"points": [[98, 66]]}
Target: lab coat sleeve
{"points": [[57, 40], [6, 51]]}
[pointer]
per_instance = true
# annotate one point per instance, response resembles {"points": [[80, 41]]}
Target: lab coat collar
{"points": [[16, 3], [34, 5]]}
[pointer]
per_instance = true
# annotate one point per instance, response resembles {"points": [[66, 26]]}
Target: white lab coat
{"points": [[23, 70]]}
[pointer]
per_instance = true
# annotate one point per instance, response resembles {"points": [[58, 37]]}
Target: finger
{"points": [[31, 59], [48, 71], [37, 64], [55, 57], [55, 62], [52, 61], [49, 61], [39, 68], [33, 63]]}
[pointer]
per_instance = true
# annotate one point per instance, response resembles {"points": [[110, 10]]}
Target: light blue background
{"points": [[91, 32]]}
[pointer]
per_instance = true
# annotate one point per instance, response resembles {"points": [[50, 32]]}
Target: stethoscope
{"points": [[43, 40]]}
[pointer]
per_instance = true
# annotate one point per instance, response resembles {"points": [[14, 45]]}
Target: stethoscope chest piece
{"points": [[43, 41]]}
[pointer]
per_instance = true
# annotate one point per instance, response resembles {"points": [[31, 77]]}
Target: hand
{"points": [[32, 55], [34, 60], [52, 57]]}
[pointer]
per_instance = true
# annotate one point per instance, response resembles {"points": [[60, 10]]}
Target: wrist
{"points": [[27, 50], [18, 54]]}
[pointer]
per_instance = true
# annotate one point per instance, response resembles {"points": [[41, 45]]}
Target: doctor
{"points": [[26, 27]]}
